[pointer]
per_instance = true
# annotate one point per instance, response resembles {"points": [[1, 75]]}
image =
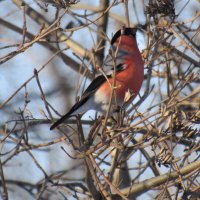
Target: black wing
{"points": [[94, 85]]}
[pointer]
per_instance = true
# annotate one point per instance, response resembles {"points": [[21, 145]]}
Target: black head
{"points": [[123, 31]]}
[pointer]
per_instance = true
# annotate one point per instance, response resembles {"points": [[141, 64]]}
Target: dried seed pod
{"points": [[189, 132], [163, 7], [195, 118], [60, 3], [164, 157]]}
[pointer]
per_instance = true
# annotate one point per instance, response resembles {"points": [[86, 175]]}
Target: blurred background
{"points": [[49, 53]]}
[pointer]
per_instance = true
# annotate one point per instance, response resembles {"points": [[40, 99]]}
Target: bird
{"points": [[128, 66]]}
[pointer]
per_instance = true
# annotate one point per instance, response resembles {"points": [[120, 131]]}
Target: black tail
{"points": [[70, 113], [94, 85], [61, 120]]}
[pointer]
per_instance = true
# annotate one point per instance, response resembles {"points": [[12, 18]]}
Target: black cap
{"points": [[123, 31]]}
